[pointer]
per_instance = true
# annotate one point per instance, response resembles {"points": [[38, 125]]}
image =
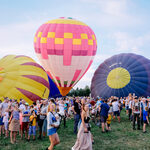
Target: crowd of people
{"points": [[43, 117]]}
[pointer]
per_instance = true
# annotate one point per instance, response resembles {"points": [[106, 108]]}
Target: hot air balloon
{"points": [[54, 91], [66, 49], [120, 75], [22, 77]]}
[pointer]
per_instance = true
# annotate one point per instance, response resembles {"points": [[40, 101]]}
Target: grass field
{"points": [[122, 137]]}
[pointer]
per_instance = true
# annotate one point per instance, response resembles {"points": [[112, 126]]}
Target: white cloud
{"points": [[112, 13], [18, 39], [125, 42]]}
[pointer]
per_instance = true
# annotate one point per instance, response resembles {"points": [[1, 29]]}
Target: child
{"points": [[1, 123], [145, 119], [32, 125], [5, 120], [109, 121]]}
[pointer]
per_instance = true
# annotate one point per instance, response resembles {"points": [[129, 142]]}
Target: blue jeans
{"points": [[44, 127], [76, 121]]}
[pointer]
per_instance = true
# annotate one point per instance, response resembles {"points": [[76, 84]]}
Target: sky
{"points": [[121, 26]]}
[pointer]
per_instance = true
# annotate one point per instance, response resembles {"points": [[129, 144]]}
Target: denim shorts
{"points": [[51, 131], [127, 107], [116, 113], [32, 130]]}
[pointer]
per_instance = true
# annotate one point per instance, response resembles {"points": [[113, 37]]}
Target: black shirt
{"points": [[76, 108]]}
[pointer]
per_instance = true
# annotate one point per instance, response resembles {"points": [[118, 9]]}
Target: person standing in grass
{"points": [[42, 112], [77, 110], [130, 107], [136, 113], [14, 123], [25, 121], [32, 125], [51, 127], [145, 119], [143, 105], [116, 109], [5, 120], [109, 121], [1, 123], [103, 109], [84, 137]]}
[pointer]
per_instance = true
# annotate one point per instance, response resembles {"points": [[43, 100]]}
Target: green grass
{"points": [[122, 137]]}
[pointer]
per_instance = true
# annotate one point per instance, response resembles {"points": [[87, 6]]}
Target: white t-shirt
{"points": [[4, 106], [126, 102], [115, 106], [130, 104], [5, 119], [61, 109], [49, 120]]}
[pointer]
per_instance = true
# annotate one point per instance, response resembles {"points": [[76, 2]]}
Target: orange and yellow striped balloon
{"points": [[22, 77]]}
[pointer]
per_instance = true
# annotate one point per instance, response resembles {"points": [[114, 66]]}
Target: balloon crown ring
{"points": [[66, 18]]}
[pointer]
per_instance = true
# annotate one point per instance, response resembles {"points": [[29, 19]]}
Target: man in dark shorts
{"points": [[104, 108]]}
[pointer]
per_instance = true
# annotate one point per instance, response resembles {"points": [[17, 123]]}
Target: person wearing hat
{"points": [[25, 121], [103, 109]]}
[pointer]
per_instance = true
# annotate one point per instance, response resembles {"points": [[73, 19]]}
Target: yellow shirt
{"points": [[33, 119], [109, 119]]}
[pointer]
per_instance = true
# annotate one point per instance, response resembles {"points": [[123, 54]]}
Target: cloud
{"points": [[113, 13], [18, 38], [126, 42]]}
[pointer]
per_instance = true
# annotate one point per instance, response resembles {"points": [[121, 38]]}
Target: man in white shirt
{"points": [[22, 106], [116, 109], [130, 107]]}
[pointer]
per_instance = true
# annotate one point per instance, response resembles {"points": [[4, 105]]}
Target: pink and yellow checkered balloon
{"points": [[66, 49]]}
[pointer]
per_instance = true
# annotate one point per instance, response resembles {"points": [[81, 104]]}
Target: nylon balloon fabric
{"points": [[66, 48], [54, 92], [22, 77], [120, 75]]}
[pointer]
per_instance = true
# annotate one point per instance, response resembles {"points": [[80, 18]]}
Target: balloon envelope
{"points": [[22, 77], [120, 75], [66, 49], [54, 91]]}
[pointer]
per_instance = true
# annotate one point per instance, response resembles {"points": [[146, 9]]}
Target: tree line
{"points": [[80, 92]]}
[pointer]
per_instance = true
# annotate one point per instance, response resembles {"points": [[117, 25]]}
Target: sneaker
{"points": [[144, 131]]}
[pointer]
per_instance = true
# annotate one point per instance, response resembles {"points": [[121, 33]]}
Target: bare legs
{"points": [[13, 135], [54, 140], [103, 127]]}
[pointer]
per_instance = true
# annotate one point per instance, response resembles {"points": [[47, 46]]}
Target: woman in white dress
{"points": [[84, 138]]}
